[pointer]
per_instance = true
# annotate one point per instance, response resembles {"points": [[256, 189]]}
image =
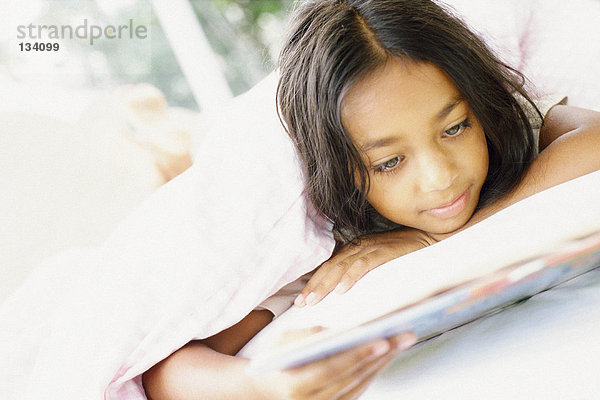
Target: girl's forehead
{"points": [[412, 80], [398, 94]]}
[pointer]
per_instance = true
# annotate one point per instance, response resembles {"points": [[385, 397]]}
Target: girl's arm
{"points": [[569, 148], [207, 369]]}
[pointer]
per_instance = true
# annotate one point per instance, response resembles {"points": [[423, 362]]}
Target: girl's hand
{"points": [[343, 376], [353, 261]]}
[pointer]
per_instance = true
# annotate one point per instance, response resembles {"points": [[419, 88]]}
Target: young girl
{"points": [[409, 130]]}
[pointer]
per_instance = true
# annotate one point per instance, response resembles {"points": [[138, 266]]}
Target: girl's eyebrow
{"points": [[383, 142], [443, 113], [455, 101]]}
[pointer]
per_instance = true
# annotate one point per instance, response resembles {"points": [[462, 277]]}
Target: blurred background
{"points": [[89, 131], [243, 38]]}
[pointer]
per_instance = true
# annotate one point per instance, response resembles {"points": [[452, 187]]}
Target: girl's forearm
{"points": [[197, 371]]}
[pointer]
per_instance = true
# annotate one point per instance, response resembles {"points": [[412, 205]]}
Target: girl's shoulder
{"points": [[544, 104]]}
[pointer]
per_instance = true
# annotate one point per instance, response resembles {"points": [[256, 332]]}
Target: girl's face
{"points": [[425, 151]]}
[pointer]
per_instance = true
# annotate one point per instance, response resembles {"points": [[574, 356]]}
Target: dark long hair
{"points": [[332, 44]]}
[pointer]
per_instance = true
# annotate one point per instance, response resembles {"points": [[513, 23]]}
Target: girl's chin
{"points": [[445, 226]]}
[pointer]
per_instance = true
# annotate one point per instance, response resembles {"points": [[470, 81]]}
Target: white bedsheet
{"points": [[545, 348]]}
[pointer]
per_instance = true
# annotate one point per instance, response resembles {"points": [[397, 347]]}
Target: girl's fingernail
{"points": [[406, 342], [311, 299], [341, 287], [299, 302], [381, 348]]}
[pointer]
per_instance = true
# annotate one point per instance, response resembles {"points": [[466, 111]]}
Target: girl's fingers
{"points": [[324, 284], [342, 271], [361, 265], [347, 386], [400, 343], [320, 282], [340, 274], [322, 373], [348, 272], [359, 388], [342, 372]]}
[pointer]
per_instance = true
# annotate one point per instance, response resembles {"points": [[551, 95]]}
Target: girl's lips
{"points": [[452, 209]]}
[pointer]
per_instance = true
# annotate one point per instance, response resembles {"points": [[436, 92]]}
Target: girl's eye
{"points": [[456, 129], [388, 165]]}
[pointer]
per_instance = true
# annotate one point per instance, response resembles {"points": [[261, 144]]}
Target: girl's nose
{"points": [[437, 171]]}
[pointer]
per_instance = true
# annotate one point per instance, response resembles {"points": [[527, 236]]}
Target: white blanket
{"points": [[194, 259]]}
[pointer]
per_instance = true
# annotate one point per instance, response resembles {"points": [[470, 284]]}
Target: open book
{"points": [[450, 308]]}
